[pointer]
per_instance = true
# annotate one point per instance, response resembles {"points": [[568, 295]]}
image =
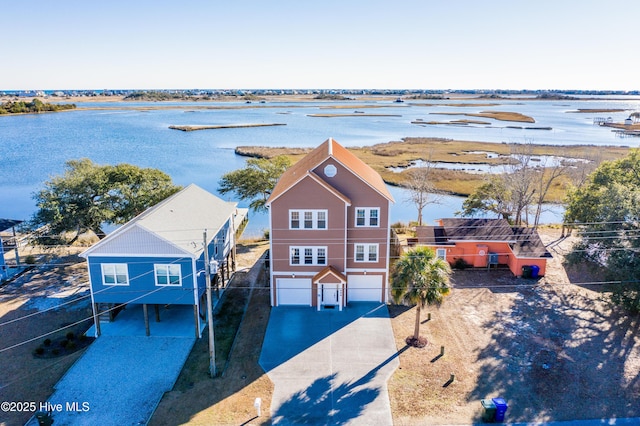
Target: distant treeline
{"points": [[36, 105], [155, 96]]}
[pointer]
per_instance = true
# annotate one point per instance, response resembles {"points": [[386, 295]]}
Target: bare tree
{"points": [[545, 177], [580, 170], [519, 178], [421, 188]]}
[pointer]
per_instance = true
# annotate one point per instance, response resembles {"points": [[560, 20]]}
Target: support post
{"points": [[157, 308], [96, 319], [207, 274], [195, 320], [146, 319]]}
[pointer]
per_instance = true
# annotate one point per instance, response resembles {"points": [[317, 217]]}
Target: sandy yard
{"points": [[552, 348]]}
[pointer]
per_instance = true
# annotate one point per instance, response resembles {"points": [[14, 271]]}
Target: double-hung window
{"points": [[115, 274], [307, 219], [168, 274], [368, 216], [308, 255], [366, 252]]}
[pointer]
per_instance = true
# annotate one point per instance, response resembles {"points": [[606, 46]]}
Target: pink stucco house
{"points": [[329, 231], [483, 243]]}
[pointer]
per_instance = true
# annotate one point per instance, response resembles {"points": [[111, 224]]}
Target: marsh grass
{"points": [[403, 153]]}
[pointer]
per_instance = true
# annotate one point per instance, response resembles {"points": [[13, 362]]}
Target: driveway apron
{"points": [[330, 367]]}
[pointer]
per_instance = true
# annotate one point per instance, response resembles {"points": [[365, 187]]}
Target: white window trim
{"points": [[314, 255], [366, 248], [367, 217], [167, 265], [114, 273], [441, 253], [314, 225]]}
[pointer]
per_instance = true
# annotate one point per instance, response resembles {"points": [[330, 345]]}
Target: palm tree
{"points": [[421, 278]]}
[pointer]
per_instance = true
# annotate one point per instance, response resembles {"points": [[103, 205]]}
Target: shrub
{"points": [[461, 264], [47, 342], [71, 335], [64, 343], [71, 345], [82, 337], [39, 350], [55, 351], [30, 260]]}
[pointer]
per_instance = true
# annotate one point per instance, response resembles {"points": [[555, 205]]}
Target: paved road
{"points": [[330, 367]]}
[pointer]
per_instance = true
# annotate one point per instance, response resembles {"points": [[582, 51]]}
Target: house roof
{"points": [[329, 149], [329, 270], [524, 242], [477, 229], [178, 221], [8, 223]]}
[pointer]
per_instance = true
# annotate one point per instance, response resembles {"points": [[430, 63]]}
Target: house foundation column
{"points": [[146, 319], [157, 309], [96, 319], [196, 321]]}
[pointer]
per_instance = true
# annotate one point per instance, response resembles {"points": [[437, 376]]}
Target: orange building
{"points": [[483, 243]]}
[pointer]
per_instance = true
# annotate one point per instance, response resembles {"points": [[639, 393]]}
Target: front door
{"points": [[329, 294]]}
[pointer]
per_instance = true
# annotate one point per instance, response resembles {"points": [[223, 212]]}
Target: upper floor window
{"points": [[115, 274], [307, 219], [308, 256], [366, 252], [168, 274], [368, 216]]}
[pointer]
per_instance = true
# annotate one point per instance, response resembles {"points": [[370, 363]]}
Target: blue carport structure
{"points": [[158, 258], [8, 242]]}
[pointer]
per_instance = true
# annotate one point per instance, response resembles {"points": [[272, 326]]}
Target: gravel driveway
{"points": [[119, 380]]}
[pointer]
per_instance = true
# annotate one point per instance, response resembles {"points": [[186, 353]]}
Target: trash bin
{"points": [[526, 271], [488, 410], [535, 271], [501, 408]]}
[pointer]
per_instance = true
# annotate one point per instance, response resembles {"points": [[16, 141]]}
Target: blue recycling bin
{"points": [[501, 408], [535, 271]]}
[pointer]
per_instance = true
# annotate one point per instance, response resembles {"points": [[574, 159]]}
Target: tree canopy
{"points": [[36, 105], [606, 209], [255, 182], [87, 196]]}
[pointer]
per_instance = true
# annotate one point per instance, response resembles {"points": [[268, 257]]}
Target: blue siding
{"points": [[142, 287]]}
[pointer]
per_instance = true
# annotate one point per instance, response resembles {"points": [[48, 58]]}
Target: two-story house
{"points": [[329, 231]]}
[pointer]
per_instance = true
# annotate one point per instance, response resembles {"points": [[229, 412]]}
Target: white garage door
{"points": [[364, 288], [294, 291]]}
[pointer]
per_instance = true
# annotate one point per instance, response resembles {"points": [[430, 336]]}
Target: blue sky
{"points": [[421, 44]]}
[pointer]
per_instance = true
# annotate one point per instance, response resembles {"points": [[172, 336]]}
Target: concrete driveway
{"points": [[330, 367], [122, 376]]}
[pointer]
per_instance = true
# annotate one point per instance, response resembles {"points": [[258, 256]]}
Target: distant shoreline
{"points": [[298, 98]]}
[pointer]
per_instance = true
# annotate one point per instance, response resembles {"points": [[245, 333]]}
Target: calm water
{"points": [[35, 147]]}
